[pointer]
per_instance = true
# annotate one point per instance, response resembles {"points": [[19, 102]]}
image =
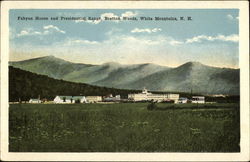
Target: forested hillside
{"points": [[24, 85]]}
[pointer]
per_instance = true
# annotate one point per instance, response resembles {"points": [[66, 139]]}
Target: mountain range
{"points": [[189, 77]]}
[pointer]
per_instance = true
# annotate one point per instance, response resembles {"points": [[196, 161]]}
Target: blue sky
{"points": [[211, 37]]}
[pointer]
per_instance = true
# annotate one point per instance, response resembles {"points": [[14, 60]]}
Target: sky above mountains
{"points": [[211, 37]]}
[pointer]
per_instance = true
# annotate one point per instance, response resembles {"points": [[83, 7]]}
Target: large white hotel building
{"points": [[147, 96]]}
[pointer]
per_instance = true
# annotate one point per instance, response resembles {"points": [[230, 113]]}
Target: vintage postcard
{"points": [[124, 81]]}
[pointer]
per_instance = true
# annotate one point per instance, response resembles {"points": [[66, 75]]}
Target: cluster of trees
{"points": [[226, 99], [24, 85]]}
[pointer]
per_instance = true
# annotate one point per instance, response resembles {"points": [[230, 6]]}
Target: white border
{"points": [[244, 80]]}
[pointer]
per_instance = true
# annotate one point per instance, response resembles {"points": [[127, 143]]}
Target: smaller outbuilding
{"points": [[182, 100], [70, 99], [93, 99], [34, 100], [111, 98], [198, 99]]}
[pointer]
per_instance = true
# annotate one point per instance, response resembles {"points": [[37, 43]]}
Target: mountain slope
{"points": [[85, 73], [128, 74], [191, 76], [49, 65], [194, 77]]}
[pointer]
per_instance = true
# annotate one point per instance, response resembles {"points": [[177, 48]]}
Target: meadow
{"points": [[124, 127]]}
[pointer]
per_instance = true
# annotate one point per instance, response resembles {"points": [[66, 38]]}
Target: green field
{"points": [[124, 127]]}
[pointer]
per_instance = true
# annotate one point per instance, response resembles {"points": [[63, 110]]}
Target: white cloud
{"points": [[55, 28], [230, 38], [70, 42], [129, 14], [28, 32], [175, 42], [146, 30], [49, 29], [198, 39], [141, 40], [23, 33], [232, 18], [110, 16], [118, 40]]}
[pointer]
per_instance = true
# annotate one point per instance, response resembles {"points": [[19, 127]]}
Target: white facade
{"points": [[146, 96], [69, 99], [32, 100], [198, 99], [62, 99], [138, 97], [182, 100], [93, 99]]}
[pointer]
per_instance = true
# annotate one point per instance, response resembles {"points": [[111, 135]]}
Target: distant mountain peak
{"points": [[112, 64], [149, 64], [193, 63], [53, 58], [50, 56]]}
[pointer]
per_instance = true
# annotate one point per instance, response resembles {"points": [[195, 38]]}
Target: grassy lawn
{"points": [[124, 127]]}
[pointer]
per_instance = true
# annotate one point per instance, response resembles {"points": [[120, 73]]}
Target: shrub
{"points": [[152, 106], [78, 101]]}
